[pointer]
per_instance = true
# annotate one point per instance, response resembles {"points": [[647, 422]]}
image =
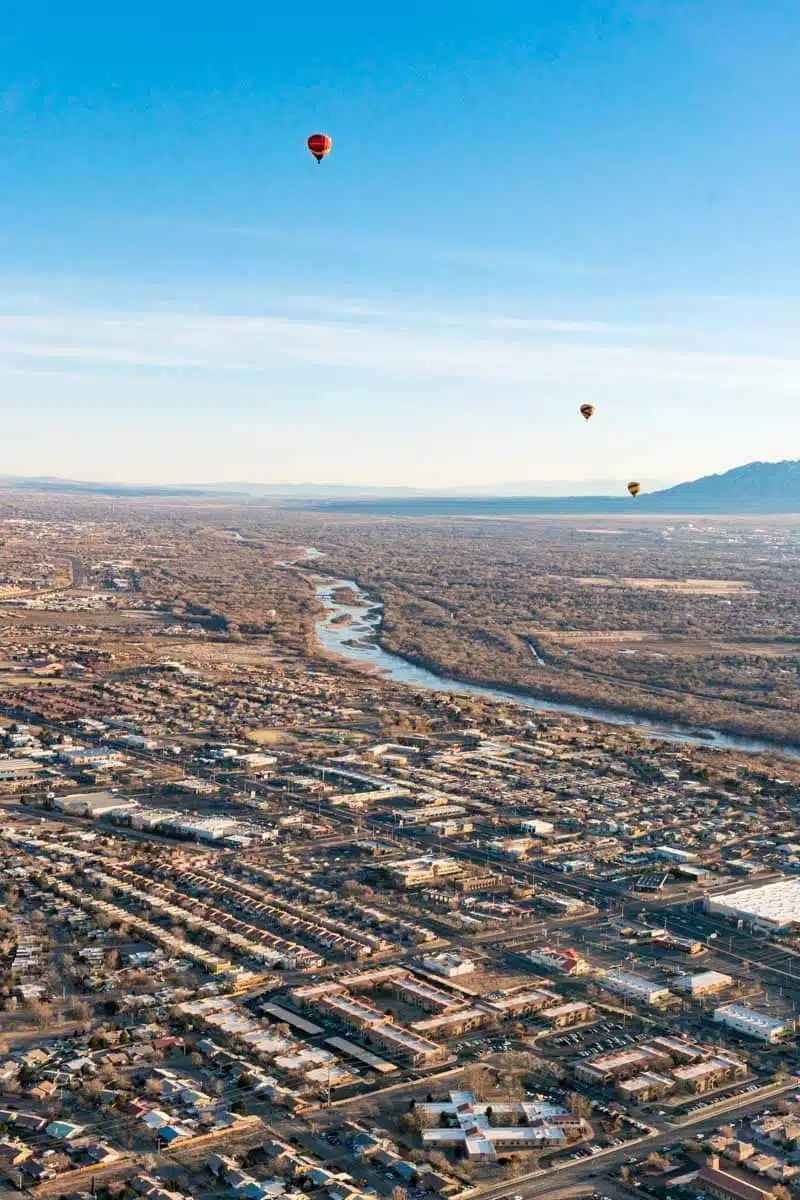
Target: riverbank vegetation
{"points": [[684, 621]]}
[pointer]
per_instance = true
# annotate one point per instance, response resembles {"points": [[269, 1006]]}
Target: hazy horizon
{"points": [[563, 487]]}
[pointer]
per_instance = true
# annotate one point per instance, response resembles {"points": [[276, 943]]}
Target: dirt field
{"points": [[695, 587]]}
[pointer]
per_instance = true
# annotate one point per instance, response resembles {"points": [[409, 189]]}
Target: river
{"points": [[351, 631]]}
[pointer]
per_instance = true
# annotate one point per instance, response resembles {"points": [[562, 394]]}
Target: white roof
{"points": [[776, 902], [703, 979]]}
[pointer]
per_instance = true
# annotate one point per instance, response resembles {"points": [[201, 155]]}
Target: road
{"points": [[78, 573]]}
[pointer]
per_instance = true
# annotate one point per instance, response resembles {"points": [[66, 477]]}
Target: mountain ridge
{"points": [[753, 488]]}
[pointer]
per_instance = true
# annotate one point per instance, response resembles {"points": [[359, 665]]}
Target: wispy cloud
{"points": [[412, 346]]}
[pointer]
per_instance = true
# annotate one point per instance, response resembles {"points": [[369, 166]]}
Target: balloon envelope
{"points": [[634, 488], [320, 145], [587, 411]]}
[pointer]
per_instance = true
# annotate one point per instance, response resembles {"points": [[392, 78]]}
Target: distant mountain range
{"points": [[49, 483], [757, 487]]}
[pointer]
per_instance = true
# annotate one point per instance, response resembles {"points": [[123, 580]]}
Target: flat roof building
{"points": [[704, 983], [636, 987], [771, 907], [448, 965], [752, 1023]]}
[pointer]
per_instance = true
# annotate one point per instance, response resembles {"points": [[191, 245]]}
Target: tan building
{"points": [[722, 1183], [561, 1016]]}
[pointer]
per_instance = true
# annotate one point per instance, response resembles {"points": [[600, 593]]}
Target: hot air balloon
{"points": [[320, 145], [634, 488], [587, 411]]}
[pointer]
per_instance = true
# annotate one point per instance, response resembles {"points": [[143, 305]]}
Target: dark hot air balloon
{"points": [[320, 145], [634, 488], [587, 411]]}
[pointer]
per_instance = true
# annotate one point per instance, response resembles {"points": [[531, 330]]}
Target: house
{"points": [[723, 1184], [220, 1165], [365, 1145], [13, 1154], [739, 1151]]}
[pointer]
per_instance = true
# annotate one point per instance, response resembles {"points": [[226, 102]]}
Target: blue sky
{"points": [[529, 205]]}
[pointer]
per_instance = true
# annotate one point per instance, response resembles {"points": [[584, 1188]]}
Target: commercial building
{"points": [[448, 965], [89, 756], [19, 770], [753, 1024], [93, 804], [773, 907], [485, 1130], [673, 854], [537, 828], [704, 983], [452, 827], [427, 813], [635, 987], [417, 872], [565, 962]]}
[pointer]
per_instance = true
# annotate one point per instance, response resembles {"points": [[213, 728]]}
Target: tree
{"points": [[657, 1162], [580, 1105], [79, 1010], [41, 1013], [478, 1079]]}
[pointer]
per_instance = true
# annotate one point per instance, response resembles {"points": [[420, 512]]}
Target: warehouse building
{"points": [[773, 907]]}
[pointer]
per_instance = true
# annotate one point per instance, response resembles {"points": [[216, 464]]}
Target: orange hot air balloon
{"points": [[587, 411], [320, 145], [634, 488]]}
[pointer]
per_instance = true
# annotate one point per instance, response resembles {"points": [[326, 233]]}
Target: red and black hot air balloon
{"points": [[320, 145]]}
